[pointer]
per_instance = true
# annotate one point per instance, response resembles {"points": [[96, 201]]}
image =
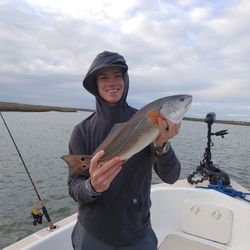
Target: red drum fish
{"points": [[128, 138]]}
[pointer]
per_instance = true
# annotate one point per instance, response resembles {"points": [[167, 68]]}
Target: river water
{"points": [[43, 138]]}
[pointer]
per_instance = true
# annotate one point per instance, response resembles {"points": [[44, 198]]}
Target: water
{"points": [[43, 138]]}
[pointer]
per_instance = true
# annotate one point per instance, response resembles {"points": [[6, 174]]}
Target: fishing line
{"points": [[45, 212]]}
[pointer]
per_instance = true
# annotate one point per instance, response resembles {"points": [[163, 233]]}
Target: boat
{"points": [[210, 213], [197, 219]]}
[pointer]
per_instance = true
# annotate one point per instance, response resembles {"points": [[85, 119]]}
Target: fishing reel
{"points": [[36, 212], [37, 216], [207, 169]]}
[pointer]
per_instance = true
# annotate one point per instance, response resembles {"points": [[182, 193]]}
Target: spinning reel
{"points": [[37, 216]]}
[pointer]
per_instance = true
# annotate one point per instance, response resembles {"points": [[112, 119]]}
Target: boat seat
{"points": [[207, 220], [177, 242]]}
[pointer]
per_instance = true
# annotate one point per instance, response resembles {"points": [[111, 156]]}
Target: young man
{"points": [[114, 201]]}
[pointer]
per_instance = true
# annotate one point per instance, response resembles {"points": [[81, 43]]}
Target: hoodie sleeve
{"points": [[167, 166], [80, 188]]}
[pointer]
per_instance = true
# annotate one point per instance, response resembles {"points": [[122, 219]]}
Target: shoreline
{"points": [[18, 107], [240, 123]]}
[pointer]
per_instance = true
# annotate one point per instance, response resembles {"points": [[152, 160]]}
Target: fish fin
{"points": [[77, 163], [153, 116], [115, 130]]}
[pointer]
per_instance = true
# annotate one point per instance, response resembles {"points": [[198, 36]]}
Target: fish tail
{"points": [[77, 163]]}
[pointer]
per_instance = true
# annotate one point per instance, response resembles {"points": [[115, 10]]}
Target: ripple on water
{"points": [[43, 138]]}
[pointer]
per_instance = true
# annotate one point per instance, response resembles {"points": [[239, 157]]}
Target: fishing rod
{"points": [[35, 212]]}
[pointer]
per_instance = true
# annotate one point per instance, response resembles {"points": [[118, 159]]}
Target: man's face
{"points": [[110, 84]]}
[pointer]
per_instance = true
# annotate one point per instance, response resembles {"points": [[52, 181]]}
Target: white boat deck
{"points": [[199, 218], [60, 238], [183, 217]]}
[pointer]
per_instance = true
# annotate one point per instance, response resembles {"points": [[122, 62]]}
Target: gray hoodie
{"points": [[121, 215]]}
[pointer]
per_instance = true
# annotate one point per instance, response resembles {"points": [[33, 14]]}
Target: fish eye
{"points": [[182, 99], [82, 159]]}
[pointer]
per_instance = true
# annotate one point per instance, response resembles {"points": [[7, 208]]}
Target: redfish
{"points": [[128, 138]]}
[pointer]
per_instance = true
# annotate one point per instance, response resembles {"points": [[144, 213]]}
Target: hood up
{"points": [[104, 60]]}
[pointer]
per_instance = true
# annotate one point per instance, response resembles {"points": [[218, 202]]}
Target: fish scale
{"points": [[127, 139], [133, 143]]}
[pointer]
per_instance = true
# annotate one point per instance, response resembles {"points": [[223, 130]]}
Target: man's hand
{"points": [[168, 130], [101, 175]]}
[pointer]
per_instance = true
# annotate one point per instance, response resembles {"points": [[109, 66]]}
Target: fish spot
{"points": [[84, 166]]}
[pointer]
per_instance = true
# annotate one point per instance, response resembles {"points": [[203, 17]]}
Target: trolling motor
{"points": [[206, 168]]}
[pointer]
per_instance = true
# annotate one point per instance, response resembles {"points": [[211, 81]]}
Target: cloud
{"points": [[195, 47], [200, 14]]}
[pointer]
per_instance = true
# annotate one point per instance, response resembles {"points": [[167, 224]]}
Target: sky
{"points": [[195, 47]]}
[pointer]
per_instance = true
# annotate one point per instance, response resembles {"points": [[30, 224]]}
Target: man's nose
{"points": [[111, 80]]}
